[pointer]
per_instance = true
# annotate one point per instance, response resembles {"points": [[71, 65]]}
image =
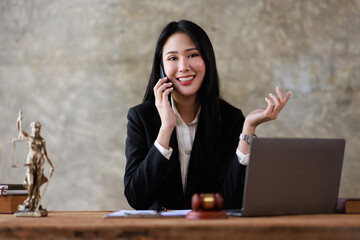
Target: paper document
{"points": [[149, 213]]}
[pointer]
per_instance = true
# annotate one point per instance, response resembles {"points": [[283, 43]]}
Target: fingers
{"points": [[161, 85], [277, 104], [279, 98], [279, 93], [287, 97], [276, 99], [269, 109], [166, 93], [162, 89], [274, 106]]}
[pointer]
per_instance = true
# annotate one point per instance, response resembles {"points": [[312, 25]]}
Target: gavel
{"points": [[206, 206], [207, 202]]}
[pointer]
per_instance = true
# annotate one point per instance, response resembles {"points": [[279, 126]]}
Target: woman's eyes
{"points": [[192, 55]]}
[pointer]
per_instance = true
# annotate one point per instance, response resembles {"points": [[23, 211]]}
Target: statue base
{"points": [[23, 212]]}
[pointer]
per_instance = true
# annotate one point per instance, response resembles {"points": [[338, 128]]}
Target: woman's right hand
{"points": [[162, 90]]}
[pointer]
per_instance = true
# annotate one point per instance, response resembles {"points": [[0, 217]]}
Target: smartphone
{"points": [[162, 75]]}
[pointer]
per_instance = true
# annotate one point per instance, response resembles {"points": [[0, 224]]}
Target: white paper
{"points": [[148, 213]]}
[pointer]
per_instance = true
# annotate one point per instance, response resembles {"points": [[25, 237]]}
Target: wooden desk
{"points": [[93, 225]]}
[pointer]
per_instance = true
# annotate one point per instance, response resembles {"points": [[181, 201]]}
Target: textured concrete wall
{"points": [[77, 66]]}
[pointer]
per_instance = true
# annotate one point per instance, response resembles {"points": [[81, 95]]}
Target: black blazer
{"points": [[152, 181]]}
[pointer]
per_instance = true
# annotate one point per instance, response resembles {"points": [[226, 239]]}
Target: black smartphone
{"points": [[162, 75]]}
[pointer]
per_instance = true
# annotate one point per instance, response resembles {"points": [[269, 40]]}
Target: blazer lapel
{"points": [[174, 145], [196, 165], [177, 172]]}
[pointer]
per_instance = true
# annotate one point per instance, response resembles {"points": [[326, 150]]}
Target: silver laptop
{"points": [[287, 176]]}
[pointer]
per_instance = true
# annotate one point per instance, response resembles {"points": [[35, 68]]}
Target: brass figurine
{"points": [[35, 177]]}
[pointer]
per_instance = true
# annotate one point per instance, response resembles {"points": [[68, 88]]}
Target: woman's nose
{"points": [[183, 65]]}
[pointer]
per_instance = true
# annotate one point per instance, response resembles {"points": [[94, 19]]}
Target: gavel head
{"points": [[207, 202]]}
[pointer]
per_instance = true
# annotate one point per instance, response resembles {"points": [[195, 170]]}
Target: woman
{"points": [[184, 139]]}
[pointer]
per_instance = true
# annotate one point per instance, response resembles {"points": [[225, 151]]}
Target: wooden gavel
{"points": [[206, 206], [207, 202]]}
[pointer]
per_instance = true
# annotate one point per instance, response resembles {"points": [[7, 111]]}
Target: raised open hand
{"points": [[271, 112]]}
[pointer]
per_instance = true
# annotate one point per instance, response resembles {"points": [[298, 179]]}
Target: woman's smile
{"points": [[186, 80]]}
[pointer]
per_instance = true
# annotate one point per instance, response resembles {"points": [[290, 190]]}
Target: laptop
{"points": [[288, 176]]}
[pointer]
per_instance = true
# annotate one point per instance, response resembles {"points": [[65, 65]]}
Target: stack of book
{"points": [[348, 205], [11, 196]]}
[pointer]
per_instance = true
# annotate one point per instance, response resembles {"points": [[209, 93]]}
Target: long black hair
{"points": [[209, 92]]}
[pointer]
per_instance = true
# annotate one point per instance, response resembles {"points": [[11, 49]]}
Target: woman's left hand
{"points": [[271, 112]]}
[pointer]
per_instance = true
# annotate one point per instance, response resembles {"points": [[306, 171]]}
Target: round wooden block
{"points": [[206, 215]]}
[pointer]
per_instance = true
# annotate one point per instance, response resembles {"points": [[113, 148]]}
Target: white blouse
{"points": [[185, 136]]}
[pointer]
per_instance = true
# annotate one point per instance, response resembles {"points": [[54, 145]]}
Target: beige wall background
{"points": [[77, 66]]}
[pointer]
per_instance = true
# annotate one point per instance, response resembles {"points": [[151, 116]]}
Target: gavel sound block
{"points": [[206, 206]]}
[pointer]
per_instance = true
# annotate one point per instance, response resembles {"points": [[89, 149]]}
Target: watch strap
{"points": [[247, 138]]}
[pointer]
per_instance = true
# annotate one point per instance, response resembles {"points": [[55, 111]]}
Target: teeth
{"points": [[186, 79]]}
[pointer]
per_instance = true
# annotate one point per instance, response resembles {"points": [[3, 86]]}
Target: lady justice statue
{"points": [[34, 169]]}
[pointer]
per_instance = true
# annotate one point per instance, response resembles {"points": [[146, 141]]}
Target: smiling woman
{"points": [[193, 141], [185, 69], [183, 64]]}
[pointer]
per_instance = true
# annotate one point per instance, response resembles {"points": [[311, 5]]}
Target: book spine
{"points": [[12, 186], [14, 192]]}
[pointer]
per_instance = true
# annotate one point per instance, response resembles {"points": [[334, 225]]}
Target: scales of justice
{"points": [[35, 178]]}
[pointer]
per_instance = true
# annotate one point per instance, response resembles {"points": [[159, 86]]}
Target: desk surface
{"points": [[93, 225]]}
